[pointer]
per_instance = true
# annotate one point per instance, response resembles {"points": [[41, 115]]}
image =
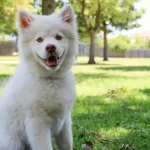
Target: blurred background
{"points": [[107, 28], [112, 111]]}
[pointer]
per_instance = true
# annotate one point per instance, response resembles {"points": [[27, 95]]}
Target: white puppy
{"points": [[36, 103]]}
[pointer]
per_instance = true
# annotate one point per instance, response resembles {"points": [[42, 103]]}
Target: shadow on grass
{"points": [[86, 64], [83, 77], [114, 122], [97, 64], [11, 65], [127, 68]]}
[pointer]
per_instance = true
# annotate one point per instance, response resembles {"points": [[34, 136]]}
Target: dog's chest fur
{"points": [[51, 96], [49, 99]]}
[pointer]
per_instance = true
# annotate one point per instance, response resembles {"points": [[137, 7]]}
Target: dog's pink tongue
{"points": [[51, 63]]}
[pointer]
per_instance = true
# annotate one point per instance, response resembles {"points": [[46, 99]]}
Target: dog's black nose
{"points": [[50, 48]]}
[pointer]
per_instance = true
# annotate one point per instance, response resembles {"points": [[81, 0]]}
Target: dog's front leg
{"points": [[38, 134], [64, 139]]}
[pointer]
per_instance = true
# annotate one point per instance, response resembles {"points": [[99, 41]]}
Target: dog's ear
{"points": [[24, 19], [67, 14]]}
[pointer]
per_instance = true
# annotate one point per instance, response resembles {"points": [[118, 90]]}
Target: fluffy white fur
{"points": [[37, 101]]}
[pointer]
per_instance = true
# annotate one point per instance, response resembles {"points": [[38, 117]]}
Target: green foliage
{"points": [[82, 30], [126, 15], [7, 16], [8, 9], [123, 43], [121, 14], [140, 42], [119, 43]]}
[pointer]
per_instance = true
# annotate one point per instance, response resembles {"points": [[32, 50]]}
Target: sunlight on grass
{"points": [[113, 101], [117, 132]]}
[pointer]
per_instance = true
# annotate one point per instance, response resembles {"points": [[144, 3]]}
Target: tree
{"points": [[121, 14], [98, 15], [92, 24], [48, 6], [88, 17], [8, 11]]}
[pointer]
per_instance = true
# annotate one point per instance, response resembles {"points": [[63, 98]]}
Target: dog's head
{"points": [[48, 41]]}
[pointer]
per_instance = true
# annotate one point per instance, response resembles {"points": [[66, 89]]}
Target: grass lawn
{"points": [[113, 102]]}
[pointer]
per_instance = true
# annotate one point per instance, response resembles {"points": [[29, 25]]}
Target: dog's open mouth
{"points": [[52, 61]]}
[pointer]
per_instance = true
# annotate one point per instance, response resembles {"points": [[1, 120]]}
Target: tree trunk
{"points": [[105, 51], [92, 48], [48, 6]]}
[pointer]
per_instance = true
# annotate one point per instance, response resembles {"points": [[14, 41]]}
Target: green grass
{"points": [[113, 102]]}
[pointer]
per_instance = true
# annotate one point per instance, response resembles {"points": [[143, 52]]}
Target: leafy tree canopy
{"points": [[121, 14], [8, 10]]}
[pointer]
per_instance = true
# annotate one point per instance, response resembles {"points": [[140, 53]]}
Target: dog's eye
{"points": [[58, 37], [39, 39]]}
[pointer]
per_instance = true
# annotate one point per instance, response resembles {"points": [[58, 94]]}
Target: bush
{"points": [[119, 44]]}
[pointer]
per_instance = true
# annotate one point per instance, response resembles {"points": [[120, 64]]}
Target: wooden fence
{"points": [[7, 47], [131, 53], [10, 47]]}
